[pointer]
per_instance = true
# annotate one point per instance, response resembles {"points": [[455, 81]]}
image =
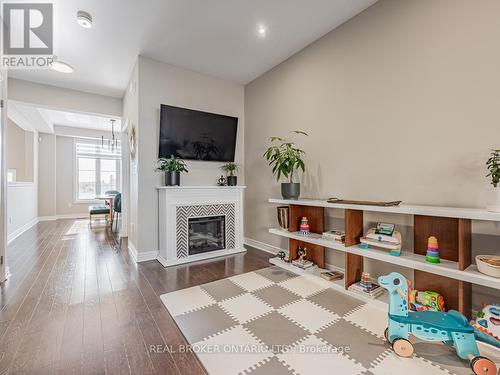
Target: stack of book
{"points": [[334, 235], [306, 264], [372, 292]]}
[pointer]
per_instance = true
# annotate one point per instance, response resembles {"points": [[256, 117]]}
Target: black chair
{"points": [[117, 208]]}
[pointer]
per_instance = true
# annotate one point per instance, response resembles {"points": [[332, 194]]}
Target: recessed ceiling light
{"points": [[84, 19], [261, 31], [61, 66]]}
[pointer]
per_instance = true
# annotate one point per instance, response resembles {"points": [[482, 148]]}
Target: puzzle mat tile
{"points": [[274, 322]]}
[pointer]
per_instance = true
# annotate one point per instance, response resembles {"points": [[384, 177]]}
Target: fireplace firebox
{"points": [[206, 234]]}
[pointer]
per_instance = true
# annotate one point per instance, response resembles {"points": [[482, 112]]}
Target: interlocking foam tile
{"points": [[302, 286], [305, 359], [276, 296], [308, 315], [251, 281], [208, 321], [231, 352], [363, 346], [245, 307], [336, 302], [271, 367], [369, 318], [276, 274], [276, 331], [222, 289], [185, 300], [390, 363]]}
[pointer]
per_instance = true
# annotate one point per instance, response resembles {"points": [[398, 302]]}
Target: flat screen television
{"points": [[197, 135]]}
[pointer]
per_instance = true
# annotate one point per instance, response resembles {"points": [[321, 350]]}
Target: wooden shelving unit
{"points": [[453, 277]]}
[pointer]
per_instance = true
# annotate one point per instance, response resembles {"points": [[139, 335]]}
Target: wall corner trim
{"points": [[261, 245], [139, 257], [11, 237]]}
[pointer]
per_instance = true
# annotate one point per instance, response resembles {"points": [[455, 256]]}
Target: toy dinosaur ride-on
{"points": [[451, 328]]}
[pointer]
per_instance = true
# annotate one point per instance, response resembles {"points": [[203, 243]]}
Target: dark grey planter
{"points": [[172, 178], [232, 180], [290, 190]]}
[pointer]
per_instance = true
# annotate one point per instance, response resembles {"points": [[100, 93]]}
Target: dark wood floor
{"points": [[76, 303]]}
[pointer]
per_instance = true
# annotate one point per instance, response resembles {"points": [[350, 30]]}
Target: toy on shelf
{"points": [[451, 328], [383, 236], [424, 301], [281, 255], [366, 282], [432, 250], [487, 325], [488, 264], [302, 262], [304, 226]]}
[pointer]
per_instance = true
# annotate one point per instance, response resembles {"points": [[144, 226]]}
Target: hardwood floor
{"points": [[76, 303]]}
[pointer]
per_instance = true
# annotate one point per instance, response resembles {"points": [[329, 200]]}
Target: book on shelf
{"points": [[303, 264], [332, 275], [373, 292], [335, 235]]}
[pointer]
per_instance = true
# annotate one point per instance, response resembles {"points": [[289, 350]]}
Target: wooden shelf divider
{"points": [[353, 232]]}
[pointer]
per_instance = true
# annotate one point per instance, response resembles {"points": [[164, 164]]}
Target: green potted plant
{"points": [[493, 165], [172, 168], [231, 168], [286, 159]]}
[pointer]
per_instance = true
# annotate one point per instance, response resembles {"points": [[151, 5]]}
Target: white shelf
{"points": [[407, 259], [454, 212], [314, 273]]}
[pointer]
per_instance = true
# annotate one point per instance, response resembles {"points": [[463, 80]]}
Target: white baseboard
{"points": [[64, 216], [139, 257], [11, 237], [274, 249], [261, 245]]}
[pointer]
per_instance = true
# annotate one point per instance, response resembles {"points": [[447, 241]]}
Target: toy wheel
{"points": [[402, 347], [483, 366], [386, 335]]}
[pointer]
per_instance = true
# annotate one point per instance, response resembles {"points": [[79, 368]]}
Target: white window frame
{"points": [[98, 157]]}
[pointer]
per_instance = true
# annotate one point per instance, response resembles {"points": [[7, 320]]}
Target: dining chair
{"points": [[117, 208], [97, 210]]}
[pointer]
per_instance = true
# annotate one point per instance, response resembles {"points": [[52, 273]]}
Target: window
{"points": [[97, 170], [11, 175]]}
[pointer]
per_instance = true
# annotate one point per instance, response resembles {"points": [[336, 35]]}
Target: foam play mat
{"points": [[272, 321]]}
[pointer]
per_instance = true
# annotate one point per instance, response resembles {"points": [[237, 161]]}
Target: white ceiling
{"points": [[31, 117], [216, 37]]}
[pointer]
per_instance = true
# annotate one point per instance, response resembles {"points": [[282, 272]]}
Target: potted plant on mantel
{"points": [[172, 168], [231, 168], [286, 159], [493, 165]]}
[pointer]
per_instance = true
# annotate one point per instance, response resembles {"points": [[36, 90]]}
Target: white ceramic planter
{"points": [[494, 200]]}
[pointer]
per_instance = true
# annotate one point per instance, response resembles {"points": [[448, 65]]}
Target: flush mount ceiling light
{"points": [[84, 19], [61, 66], [261, 31]]}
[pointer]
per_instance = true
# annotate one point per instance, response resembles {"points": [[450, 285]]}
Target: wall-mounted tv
{"points": [[197, 135]]}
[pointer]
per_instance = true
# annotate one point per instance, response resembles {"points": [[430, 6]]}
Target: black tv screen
{"points": [[197, 135]]}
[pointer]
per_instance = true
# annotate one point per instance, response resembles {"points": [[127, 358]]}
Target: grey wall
{"points": [[19, 151], [160, 83], [401, 102]]}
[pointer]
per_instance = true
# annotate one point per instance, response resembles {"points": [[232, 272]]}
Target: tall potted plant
{"points": [[230, 169], [493, 165], [286, 159], [172, 168]]}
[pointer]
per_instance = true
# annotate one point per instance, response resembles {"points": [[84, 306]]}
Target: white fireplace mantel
{"points": [[179, 203]]}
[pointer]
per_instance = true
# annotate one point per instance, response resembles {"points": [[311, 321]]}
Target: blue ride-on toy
{"points": [[452, 328]]}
